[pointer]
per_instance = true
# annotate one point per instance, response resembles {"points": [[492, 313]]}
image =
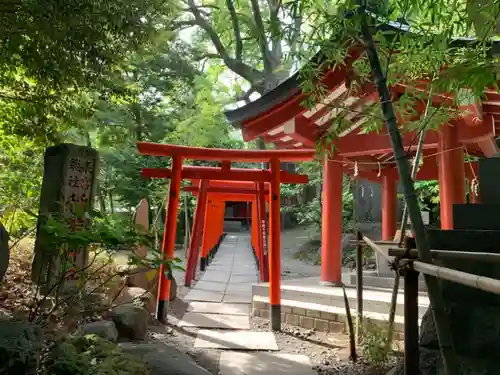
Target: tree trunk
{"points": [[441, 320], [111, 203], [102, 203]]}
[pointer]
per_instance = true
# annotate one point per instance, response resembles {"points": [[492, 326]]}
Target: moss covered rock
{"points": [[20, 347], [92, 355]]}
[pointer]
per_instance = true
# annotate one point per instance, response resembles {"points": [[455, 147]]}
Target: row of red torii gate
{"points": [[214, 186]]}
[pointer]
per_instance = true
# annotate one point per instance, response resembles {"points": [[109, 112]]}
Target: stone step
{"points": [[317, 316], [375, 301], [381, 282]]}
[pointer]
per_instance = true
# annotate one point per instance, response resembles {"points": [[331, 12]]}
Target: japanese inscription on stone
{"points": [[77, 192], [67, 193]]}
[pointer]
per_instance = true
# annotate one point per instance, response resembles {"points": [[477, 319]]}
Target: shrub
{"points": [[375, 342], [91, 355]]}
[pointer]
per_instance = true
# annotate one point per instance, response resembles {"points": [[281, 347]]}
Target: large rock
{"points": [[164, 359], [104, 329], [137, 296], [4, 251], [131, 321], [20, 347], [140, 277]]}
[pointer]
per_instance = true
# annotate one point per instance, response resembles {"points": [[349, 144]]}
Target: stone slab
{"points": [[203, 295], [221, 321], [242, 340], [210, 286], [236, 363], [216, 276], [219, 308], [238, 298], [238, 288]]}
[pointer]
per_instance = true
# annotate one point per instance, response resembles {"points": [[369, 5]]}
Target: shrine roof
{"points": [[281, 118]]}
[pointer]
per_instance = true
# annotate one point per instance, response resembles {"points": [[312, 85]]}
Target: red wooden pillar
{"points": [[262, 233], [389, 208], [331, 223], [194, 245], [222, 214], [451, 174], [255, 231], [208, 230], [274, 250], [169, 239]]}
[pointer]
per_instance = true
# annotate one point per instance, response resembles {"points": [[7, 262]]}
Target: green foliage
{"points": [[428, 194], [91, 355], [110, 233], [20, 181], [374, 343]]}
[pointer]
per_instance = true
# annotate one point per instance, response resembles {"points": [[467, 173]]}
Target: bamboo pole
{"points": [[441, 322], [411, 360], [359, 286], [450, 254], [404, 222], [484, 283]]}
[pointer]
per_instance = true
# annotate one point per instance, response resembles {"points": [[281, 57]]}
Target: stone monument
{"points": [[141, 219], [67, 195]]}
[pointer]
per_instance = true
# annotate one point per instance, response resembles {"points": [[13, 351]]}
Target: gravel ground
{"points": [[329, 353]]}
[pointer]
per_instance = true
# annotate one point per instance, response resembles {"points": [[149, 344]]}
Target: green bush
{"points": [[91, 355], [375, 343]]}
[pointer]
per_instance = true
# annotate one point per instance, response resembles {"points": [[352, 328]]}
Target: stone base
{"points": [[308, 319], [313, 319]]}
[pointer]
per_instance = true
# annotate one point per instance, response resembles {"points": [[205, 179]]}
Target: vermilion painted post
{"points": [[274, 251], [255, 232], [194, 245], [389, 208], [331, 226], [169, 239], [263, 239], [208, 229], [451, 174]]}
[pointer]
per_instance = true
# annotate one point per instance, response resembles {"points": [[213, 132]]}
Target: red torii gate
{"points": [[177, 172], [222, 191]]}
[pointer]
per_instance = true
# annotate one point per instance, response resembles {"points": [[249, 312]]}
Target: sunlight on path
{"points": [[220, 304]]}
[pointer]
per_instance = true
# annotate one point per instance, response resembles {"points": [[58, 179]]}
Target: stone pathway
{"points": [[220, 304]]}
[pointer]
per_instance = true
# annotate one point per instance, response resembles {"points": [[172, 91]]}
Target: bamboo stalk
{"points": [[484, 283], [450, 254], [377, 248], [359, 286], [441, 322], [395, 288]]}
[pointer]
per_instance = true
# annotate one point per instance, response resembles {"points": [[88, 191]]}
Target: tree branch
{"points": [[276, 51], [298, 19], [237, 31], [239, 67], [246, 95], [261, 37]]}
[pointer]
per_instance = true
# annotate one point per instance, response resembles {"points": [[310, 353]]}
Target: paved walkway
{"points": [[219, 305]]}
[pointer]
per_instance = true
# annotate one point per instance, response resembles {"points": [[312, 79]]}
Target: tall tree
{"points": [[258, 41]]}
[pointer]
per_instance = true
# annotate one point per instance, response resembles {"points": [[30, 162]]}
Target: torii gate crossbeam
{"points": [[178, 172]]}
